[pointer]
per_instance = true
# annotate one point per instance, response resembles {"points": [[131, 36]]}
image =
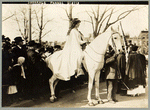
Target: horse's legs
{"points": [[90, 85], [55, 83], [51, 84], [97, 96]]}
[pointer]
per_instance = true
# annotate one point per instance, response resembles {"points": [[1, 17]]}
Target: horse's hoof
{"points": [[100, 102], [91, 104], [52, 99]]}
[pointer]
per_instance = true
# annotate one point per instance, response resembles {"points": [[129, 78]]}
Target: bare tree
{"points": [[69, 14], [22, 29], [98, 20], [21, 18], [41, 24]]}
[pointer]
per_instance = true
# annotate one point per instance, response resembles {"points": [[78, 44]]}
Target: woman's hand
{"points": [[83, 42]]}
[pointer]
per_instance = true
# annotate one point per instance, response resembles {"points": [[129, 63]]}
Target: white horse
{"points": [[93, 62]]}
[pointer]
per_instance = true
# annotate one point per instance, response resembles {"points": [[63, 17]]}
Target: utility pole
{"points": [[41, 27], [30, 36]]}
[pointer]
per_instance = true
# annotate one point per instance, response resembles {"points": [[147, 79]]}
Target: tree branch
{"points": [[94, 14], [37, 19], [46, 23], [108, 24], [8, 17], [87, 21], [65, 11], [91, 20], [119, 17], [19, 25], [46, 33]]}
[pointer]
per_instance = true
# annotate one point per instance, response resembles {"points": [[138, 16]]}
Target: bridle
{"points": [[113, 43]]}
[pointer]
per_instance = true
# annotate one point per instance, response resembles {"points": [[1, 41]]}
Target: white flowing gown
{"points": [[64, 63]]}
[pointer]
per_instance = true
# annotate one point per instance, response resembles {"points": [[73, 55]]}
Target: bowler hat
{"points": [[18, 39], [7, 39]]}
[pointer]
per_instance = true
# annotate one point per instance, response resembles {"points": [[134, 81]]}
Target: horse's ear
{"points": [[118, 29], [112, 30]]}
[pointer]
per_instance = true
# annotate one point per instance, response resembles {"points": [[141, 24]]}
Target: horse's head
{"points": [[116, 40]]}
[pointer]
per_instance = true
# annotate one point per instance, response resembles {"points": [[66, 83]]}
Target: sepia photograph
{"points": [[74, 54]]}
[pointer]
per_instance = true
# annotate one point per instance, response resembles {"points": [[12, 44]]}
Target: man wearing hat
{"points": [[7, 39], [130, 46], [18, 50], [111, 75], [3, 41], [33, 73]]}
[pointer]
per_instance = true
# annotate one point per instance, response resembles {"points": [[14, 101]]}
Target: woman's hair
{"points": [[74, 22]]}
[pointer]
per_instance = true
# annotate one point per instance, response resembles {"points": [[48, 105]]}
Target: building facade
{"points": [[141, 41]]}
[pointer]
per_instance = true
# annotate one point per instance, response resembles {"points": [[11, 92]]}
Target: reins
{"points": [[113, 43]]}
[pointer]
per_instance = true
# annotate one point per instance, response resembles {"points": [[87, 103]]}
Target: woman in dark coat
{"points": [[134, 71]]}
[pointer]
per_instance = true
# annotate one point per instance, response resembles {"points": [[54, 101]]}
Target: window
{"points": [[143, 37]]}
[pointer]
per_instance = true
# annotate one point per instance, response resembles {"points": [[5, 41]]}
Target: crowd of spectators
{"points": [[23, 67], [25, 74]]}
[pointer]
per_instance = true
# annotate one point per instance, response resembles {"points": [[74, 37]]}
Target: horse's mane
{"points": [[99, 44]]}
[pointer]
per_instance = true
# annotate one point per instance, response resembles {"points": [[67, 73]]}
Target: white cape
{"points": [[64, 63]]}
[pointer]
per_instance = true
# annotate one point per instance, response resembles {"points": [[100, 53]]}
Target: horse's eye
{"points": [[115, 37]]}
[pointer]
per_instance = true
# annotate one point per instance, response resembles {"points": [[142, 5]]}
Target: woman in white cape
{"points": [[67, 62]]}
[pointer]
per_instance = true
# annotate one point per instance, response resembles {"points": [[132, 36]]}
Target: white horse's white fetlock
{"points": [[53, 99], [91, 104]]}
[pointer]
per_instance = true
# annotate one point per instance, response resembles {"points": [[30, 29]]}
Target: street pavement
{"points": [[78, 99]]}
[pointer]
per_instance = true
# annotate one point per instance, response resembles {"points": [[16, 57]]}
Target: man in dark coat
{"points": [[6, 63], [130, 45], [111, 76], [33, 73], [121, 66], [38, 72], [18, 50]]}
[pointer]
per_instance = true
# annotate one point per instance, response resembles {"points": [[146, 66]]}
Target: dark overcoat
{"points": [[111, 66], [134, 71], [121, 64], [18, 52]]}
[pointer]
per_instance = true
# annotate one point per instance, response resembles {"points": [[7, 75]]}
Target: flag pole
{"points": [[125, 44]]}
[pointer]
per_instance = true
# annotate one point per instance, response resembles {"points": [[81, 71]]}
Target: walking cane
{"points": [[125, 85]]}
